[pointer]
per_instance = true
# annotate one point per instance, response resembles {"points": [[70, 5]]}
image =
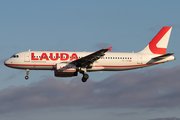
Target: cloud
{"points": [[172, 118], [128, 114], [12, 75], [155, 88]]}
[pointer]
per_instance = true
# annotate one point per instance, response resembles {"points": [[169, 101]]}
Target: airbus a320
{"points": [[68, 64]]}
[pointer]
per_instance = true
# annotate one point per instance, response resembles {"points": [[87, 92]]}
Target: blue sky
{"points": [[88, 26]]}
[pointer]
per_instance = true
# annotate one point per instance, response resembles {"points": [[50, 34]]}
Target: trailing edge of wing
{"points": [[163, 56]]}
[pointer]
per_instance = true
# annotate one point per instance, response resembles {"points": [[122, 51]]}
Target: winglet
{"points": [[109, 48]]}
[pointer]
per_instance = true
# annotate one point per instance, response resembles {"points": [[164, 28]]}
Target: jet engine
{"points": [[65, 70]]}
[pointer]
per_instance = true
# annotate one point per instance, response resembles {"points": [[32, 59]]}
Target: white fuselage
{"points": [[68, 64], [111, 61]]}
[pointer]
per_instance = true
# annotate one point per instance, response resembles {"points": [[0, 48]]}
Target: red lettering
{"points": [[44, 56], [52, 57], [74, 56], [64, 56], [32, 57]]}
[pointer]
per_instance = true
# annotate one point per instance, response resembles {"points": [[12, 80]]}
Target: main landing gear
{"points": [[85, 75], [27, 73]]}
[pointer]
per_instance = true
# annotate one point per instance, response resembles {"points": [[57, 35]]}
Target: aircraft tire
{"points": [[26, 77], [84, 79], [86, 76]]}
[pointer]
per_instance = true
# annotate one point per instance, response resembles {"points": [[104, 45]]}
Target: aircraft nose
{"points": [[6, 62]]}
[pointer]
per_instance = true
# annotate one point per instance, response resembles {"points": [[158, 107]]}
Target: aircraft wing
{"points": [[91, 58]]}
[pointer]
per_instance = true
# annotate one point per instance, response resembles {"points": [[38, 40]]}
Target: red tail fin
{"points": [[159, 43]]}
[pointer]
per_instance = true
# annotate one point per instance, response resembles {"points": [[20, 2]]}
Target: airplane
{"points": [[69, 64]]}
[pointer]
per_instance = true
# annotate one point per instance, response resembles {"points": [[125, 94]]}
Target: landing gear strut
{"points": [[27, 73], [85, 75]]}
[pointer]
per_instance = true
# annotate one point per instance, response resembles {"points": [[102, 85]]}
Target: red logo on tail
{"points": [[152, 45]]}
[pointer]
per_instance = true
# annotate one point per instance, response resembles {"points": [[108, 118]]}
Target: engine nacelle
{"points": [[65, 70]]}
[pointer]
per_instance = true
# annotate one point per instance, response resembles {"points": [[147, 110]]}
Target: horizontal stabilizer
{"points": [[163, 56]]}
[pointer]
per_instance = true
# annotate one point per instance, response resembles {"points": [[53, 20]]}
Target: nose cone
{"points": [[7, 62]]}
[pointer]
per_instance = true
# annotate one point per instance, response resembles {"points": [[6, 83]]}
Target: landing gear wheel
{"points": [[27, 73], [85, 77], [84, 80], [26, 77], [83, 71]]}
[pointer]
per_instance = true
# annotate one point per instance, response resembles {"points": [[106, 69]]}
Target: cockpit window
{"points": [[15, 56]]}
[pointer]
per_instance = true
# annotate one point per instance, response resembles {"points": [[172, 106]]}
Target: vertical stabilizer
{"points": [[159, 43]]}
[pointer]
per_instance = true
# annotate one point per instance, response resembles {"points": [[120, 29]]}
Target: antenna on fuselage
{"points": [[29, 49]]}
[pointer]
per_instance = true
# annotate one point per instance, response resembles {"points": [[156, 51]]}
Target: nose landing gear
{"points": [[27, 73]]}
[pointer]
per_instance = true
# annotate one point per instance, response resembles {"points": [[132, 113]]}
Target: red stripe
{"points": [[26, 65], [94, 66], [128, 65], [66, 70]]}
